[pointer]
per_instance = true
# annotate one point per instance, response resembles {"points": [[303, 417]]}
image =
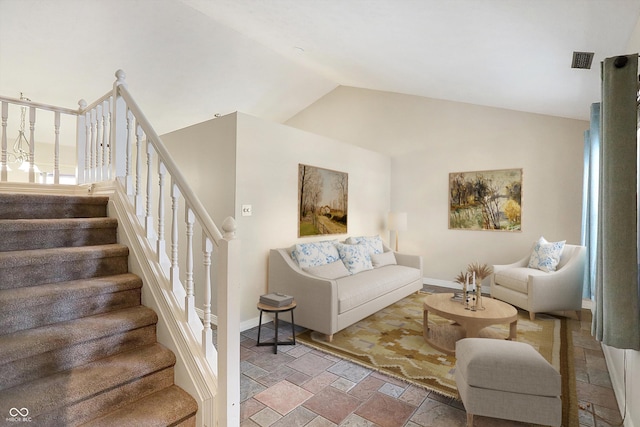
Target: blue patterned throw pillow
{"points": [[355, 257], [315, 253], [546, 255], [373, 243]]}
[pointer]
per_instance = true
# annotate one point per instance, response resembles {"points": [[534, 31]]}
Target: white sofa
{"points": [[330, 305], [538, 291]]}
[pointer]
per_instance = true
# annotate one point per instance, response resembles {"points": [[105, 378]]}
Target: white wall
{"points": [[206, 155], [263, 158], [428, 138]]}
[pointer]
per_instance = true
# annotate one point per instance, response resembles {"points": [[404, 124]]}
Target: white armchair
{"points": [[540, 292]]}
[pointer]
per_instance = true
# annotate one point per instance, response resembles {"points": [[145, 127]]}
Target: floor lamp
{"points": [[397, 222]]}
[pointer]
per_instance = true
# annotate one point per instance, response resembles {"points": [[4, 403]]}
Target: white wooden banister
{"points": [[199, 210], [227, 358]]}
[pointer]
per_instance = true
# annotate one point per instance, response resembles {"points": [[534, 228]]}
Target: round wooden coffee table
{"points": [[466, 323]]}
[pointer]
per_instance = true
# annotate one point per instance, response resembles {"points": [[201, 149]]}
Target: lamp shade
{"points": [[397, 221]]}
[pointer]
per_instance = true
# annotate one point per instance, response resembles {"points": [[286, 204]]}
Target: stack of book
{"points": [[276, 299]]}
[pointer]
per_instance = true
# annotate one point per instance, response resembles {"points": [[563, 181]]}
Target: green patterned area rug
{"points": [[391, 342]]}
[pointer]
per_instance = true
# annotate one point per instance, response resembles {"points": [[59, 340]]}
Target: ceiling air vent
{"points": [[582, 60]]}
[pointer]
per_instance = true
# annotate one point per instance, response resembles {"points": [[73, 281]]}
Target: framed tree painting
{"points": [[486, 200], [322, 201]]}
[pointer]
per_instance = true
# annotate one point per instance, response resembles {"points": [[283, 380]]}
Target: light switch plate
{"points": [[246, 210]]}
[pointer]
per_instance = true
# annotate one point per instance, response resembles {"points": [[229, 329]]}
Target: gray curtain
{"points": [[616, 320]]}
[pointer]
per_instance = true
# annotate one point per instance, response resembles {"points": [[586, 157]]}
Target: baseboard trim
{"points": [[439, 282]]}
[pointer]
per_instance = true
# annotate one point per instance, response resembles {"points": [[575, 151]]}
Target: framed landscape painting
{"points": [[486, 200], [322, 201]]}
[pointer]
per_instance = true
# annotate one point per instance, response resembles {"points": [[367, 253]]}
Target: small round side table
{"points": [[276, 311]]}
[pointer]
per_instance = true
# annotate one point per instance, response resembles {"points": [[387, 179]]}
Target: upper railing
{"points": [[21, 154], [114, 140]]}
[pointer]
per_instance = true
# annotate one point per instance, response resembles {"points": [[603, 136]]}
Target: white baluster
{"points": [[3, 155], [92, 160], [207, 334], [148, 223], [161, 244], [56, 149], [81, 142], [98, 151], [138, 192], [32, 143], [189, 306], [85, 126], [175, 266], [106, 127], [128, 175]]}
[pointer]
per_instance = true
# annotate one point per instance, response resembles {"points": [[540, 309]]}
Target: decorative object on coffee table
{"points": [[471, 282]]}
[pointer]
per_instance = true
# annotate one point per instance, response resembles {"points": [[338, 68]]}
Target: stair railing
{"points": [[21, 155], [115, 141]]}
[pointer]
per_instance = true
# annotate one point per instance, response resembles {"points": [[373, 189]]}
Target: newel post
{"points": [[118, 140], [229, 284]]}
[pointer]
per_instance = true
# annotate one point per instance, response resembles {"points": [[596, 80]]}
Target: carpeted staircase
{"points": [[76, 346]]}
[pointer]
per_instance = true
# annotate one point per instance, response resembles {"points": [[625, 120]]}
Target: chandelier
{"points": [[21, 147]]}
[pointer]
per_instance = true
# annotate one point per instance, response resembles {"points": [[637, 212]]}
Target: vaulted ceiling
{"points": [[187, 60]]}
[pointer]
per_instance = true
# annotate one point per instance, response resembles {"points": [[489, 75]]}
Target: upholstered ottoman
{"points": [[507, 379]]}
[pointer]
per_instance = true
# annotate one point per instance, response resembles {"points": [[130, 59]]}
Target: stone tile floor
{"points": [[301, 386]]}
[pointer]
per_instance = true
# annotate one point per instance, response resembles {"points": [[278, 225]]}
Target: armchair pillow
{"points": [[546, 255]]}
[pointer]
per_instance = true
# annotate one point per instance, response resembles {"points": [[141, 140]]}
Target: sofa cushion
{"points": [[334, 270], [315, 253], [509, 366], [355, 257], [546, 255], [385, 258], [374, 243], [516, 278], [365, 286]]}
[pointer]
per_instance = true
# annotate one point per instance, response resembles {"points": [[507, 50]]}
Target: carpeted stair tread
{"points": [[51, 293], [180, 409], [27, 343], [39, 352], [35, 306], [51, 206], [40, 266], [88, 391], [12, 259], [26, 234]]}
